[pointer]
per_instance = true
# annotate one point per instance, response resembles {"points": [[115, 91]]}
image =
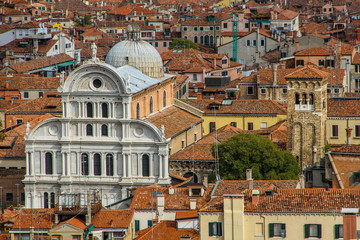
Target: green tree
{"points": [[256, 152], [182, 43]]}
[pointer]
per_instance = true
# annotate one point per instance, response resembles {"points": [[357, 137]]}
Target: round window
{"points": [[97, 83]]}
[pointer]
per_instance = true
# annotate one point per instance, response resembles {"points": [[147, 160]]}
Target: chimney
{"points": [[56, 219], [274, 68], [214, 63], [348, 135], [192, 203], [255, 196], [249, 178], [160, 206], [349, 223], [199, 96], [297, 45], [206, 180]]}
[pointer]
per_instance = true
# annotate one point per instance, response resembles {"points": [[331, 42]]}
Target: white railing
{"points": [[304, 107]]}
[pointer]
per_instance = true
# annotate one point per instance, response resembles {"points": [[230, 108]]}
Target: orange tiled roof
{"points": [[113, 218], [356, 59], [92, 32], [167, 230], [240, 106], [308, 71], [38, 105], [343, 107], [37, 218], [316, 51], [186, 214], [130, 9], [74, 222], [26, 81], [40, 63], [287, 15], [180, 200], [174, 119]]}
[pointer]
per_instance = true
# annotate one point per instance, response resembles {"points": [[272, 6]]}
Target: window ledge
{"points": [[334, 137]]}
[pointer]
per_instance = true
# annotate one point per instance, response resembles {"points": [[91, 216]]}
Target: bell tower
{"points": [[306, 114]]}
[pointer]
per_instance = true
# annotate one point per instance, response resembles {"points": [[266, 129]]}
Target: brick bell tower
{"points": [[306, 114]]}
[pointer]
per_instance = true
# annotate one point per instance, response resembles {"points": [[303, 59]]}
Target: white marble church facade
{"points": [[95, 145]]}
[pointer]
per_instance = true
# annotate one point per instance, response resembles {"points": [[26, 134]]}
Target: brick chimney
{"points": [[249, 178], [255, 196], [297, 45], [349, 223], [199, 96]]}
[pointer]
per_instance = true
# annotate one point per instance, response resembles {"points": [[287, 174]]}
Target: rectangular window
{"points": [[224, 61], [137, 225], [164, 44], [201, 28], [357, 130], [299, 62], [277, 230], [195, 28], [56, 47], [321, 62], [233, 124], [212, 126], [250, 90], [41, 94], [284, 90], [264, 125], [150, 223], [194, 77], [339, 231], [248, 42], [246, 25], [254, 43], [185, 29], [215, 229], [357, 84], [156, 44], [224, 73], [19, 121], [263, 90], [250, 126], [26, 94], [335, 131], [357, 68], [225, 25], [211, 28], [9, 197], [262, 43], [312, 230]]}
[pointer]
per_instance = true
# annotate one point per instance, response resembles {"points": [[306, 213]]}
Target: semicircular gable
{"points": [[145, 131], [95, 78], [49, 129]]}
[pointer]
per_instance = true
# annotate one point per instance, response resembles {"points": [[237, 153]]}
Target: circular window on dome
{"points": [[97, 83]]}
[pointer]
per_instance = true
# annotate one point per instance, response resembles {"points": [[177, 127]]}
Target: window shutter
{"points": [[150, 223], [137, 225], [336, 231], [307, 231], [219, 226], [211, 229], [283, 227], [319, 230], [271, 229]]}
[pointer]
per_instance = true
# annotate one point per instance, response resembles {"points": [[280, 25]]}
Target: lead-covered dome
{"points": [[136, 53]]}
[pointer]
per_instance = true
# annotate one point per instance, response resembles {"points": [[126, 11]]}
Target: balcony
{"points": [[304, 107]]}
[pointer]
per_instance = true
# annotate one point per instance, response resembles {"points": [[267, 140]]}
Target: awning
{"points": [[66, 64]]}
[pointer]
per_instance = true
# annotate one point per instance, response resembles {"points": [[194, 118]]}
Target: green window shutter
{"points": [[219, 226], [150, 223], [307, 230], [271, 229], [336, 230], [283, 227], [319, 230], [137, 225], [211, 229]]}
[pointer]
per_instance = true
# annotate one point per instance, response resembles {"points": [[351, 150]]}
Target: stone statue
{"points": [[94, 50], [27, 128], [62, 78]]}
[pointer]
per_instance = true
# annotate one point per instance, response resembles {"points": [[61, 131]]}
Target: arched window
{"points": [[304, 98], [164, 99], [89, 130], [138, 111], [211, 40], [97, 164], [84, 164], [311, 99], [105, 110], [201, 39], [145, 165], [52, 200], [195, 39], [206, 40], [297, 98], [48, 163], [46, 200], [89, 110], [109, 165], [151, 105], [104, 130]]}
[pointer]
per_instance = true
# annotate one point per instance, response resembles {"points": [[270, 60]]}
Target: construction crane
{"points": [[235, 36]]}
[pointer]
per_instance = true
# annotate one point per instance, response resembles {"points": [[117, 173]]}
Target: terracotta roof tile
{"points": [[112, 218], [92, 32], [130, 9], [356, 59], [174, 119], [76, 222], [37, 218], [308, 71], [287, 15], [186, 214], [343, 107], [21, 81], [167, 230], [38, 105]]}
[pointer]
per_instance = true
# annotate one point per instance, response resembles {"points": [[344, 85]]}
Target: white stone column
{"points": [[68, 167], [115, 160], [79, 110], [129, 164], [160, 166], [98, 109], [54, 162], [151, 166], [32, 164], [103, 164], [124, 165], [78, 159], [82, 113], [91, 164], [139, 166], [63, 160], [166, 166], [28, 167], [42, 162], [113, 110]]}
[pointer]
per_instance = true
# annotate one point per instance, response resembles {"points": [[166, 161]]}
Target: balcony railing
{"points": [[304, 107]]}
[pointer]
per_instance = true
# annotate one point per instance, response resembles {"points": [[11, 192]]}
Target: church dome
{"points": [[136, 53]]}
